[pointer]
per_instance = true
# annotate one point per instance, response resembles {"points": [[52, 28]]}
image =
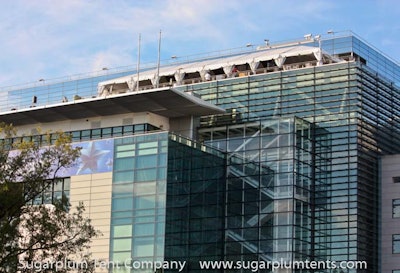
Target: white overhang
{"points": [[166, 102]]}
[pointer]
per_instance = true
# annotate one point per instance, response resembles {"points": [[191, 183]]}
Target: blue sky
{"points": [[46, 39]]}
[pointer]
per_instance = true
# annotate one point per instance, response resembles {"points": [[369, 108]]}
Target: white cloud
{"points": [[47, 38]]}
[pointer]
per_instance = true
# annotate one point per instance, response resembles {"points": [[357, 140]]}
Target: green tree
{"points": [[33, 236]]}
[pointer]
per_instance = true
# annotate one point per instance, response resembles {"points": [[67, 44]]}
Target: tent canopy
{"points": [[278, 55]]}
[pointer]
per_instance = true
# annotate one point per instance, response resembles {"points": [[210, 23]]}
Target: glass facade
{"points": [[85, 135], [277, 179], [138, 198], [195, 223], [357, 108], [168, 199]]}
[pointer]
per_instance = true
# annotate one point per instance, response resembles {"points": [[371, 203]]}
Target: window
{"points": [[56, 191], [396, 208], [396, 243], [122, 244], [396, 179], [95, 133]]}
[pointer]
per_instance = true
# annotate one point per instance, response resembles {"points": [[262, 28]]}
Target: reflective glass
{"points": [[148, 161], [143, 229], [143, 247], [122, 204], [396, 208], [122, 244], [396, 243], [122, 231]]}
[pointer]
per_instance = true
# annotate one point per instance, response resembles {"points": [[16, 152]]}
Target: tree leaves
{"points": [[48, 232]]}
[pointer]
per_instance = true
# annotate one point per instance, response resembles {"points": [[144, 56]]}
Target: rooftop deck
{"points": [[162, 101], [194, 69]]}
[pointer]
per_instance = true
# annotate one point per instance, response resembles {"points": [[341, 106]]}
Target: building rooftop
{"points": [[312, 51], [162, 101]]}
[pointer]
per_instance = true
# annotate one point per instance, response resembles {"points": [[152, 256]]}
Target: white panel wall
{"points": [[105, 121], [95, 190]]}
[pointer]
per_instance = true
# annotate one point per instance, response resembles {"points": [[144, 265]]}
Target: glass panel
{"points": [[122, 244], [128, 129], [124, 164], [145, 202], [162, 159], [58, 186], [144, 229], [121, 256], [122, 204], [145, 188], [125, 154], [85, 134], [146, 175], [396, 244], [162, 173], [146, 145], [123, 176], [148, 161], [122, 189], [143, 247], [396, 208], [147, 151], [139, 128], [125, 147], [76, 135], [122, 231], [67, 183], [117, 131], [106, 132]]}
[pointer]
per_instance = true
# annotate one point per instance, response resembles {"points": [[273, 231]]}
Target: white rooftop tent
{"points": [[278, 55]]}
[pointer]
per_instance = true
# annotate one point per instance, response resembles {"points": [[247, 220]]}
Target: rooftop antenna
{"points": [[138, 64], [158, 62]]}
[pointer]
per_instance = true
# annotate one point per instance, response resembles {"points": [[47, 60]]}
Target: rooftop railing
{"points": [[75, 87]]}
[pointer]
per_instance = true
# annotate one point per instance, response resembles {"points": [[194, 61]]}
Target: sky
{"points": [[47, 39]]}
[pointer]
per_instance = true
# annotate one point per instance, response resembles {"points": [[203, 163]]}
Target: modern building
{"points": [[266, 154]]}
